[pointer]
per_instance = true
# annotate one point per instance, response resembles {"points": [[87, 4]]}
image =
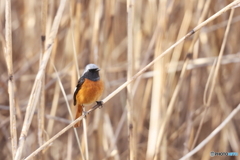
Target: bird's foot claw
{"points": [[100, 104], [85, 113]]}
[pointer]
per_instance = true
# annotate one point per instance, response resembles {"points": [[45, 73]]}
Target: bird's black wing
{"points": [[78, 87]]}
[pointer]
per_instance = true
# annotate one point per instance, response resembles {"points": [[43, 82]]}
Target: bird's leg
{"points": [[100, 104], [84, 113]]}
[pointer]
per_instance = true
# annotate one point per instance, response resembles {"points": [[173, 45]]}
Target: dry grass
{"points": [[173, 104]]}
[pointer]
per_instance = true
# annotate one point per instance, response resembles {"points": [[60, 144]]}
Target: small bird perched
{"points": [[88, 90]]}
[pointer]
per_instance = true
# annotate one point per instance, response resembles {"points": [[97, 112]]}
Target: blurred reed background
{"points": [[162, 111]]}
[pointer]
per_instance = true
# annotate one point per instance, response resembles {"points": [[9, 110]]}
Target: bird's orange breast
{"points": [[90, 92]]}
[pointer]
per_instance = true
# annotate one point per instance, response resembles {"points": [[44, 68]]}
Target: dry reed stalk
{"points": [[205, 108], [145, 100], [109, 133], [212, 79], [94, 57], [216, 68], [85, 139], [139, 73], [56, 93], [54, 137], [70, 137], [41, 115], [194, 82], [44, 9], [99, 48], [73, 40], [59, 119], [8, 57], [196, 36], [84, 136], [220, 25], [208, 148], [41, 106], [204, 62], [95, 22], [32, 105], [69, 110], [69, 145], [157, 105], [113, 149], [170, 107], [231, 130], [187, 18], [53, 108], [213, 134], [198, 27], [38, 82], [197, 117], [73, 70], [120, 124], [136, 84], [130, 71], [147, 55], [137, 35]]}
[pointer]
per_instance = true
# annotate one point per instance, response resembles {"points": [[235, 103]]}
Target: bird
{"points": [[88, 90]]}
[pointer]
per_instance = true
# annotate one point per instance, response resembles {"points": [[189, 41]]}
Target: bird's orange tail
{"points": [[78, 114]]}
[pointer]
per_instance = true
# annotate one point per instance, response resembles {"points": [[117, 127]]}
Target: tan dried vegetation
{"points": [[178, 59]]}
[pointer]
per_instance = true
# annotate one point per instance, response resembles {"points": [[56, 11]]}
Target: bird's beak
{"points": [[97, 69]]}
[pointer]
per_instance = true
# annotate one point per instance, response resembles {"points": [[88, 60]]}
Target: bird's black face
{"points": [[92, 74]]}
